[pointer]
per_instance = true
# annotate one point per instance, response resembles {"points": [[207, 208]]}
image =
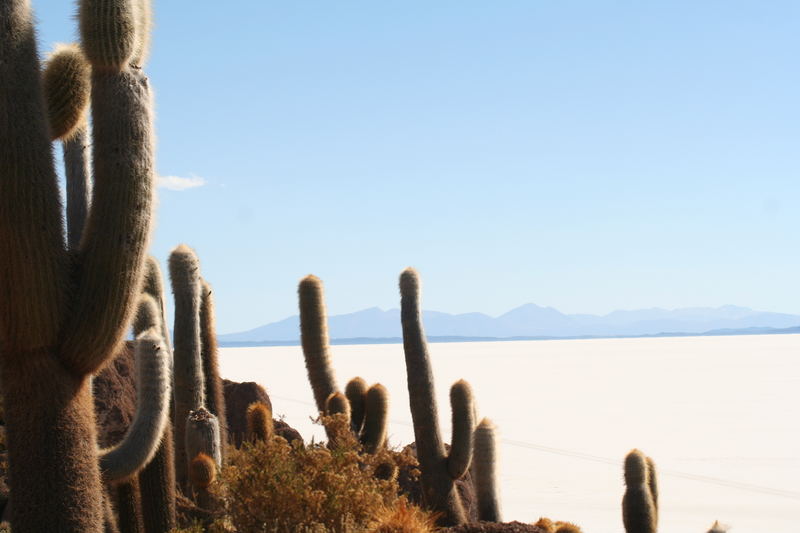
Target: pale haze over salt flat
{"points": [[589, 156], [718, 415]]}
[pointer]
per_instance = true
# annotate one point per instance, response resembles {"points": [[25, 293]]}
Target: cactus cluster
{"points": [[365, 408], [439, 469]]}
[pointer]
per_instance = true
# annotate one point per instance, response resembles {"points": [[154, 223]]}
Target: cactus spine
{"points": [[189, 389], [437, 467], [484, 466], [202, 473], [314, 338], [260, 426], [157, 480], [638, 508], [214, 393], [61, 321], [67, 86]]}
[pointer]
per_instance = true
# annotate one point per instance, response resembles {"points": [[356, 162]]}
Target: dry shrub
{"points": [[276, 487], [404, 518]]}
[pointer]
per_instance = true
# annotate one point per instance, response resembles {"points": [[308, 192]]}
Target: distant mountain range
{"points": [[529, 321]]}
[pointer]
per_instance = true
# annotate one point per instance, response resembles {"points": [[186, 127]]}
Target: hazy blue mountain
{"points": [[530, 320]]}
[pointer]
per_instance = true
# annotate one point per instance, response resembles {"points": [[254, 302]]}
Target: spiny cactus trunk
{"points": [[51, 442], [157, 482], [129, 509], [314, 339], [215, 395], [483, 469], [77, 174], [438, 487]]}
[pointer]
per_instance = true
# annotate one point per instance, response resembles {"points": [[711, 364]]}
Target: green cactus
{"points": [[638, 508], [157, 480], [260, 426], [189, 387], [143, 437], [148, 316], [439, 471], [63, 316], [314, 338], [214, 393], [129, 512], [373, 436], [356, 393], [484, 465]]}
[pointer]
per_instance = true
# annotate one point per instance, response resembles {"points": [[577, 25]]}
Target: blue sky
{"points": [[589, 155]]}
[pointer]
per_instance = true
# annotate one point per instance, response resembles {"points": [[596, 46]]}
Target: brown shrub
{"points": [[277, 487]]}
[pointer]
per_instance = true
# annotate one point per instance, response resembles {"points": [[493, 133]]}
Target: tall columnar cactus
{"points": [[157, 480], [373, 437], [260, 426], [484, 465], [189, 389], [61, 319], [439, 470], [214, 393], [152, 411], [638, 508], [314, 338]]}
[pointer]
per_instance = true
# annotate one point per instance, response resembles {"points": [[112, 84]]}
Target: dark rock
{"points": [[494, 527], [238, 397], [115, 397]]}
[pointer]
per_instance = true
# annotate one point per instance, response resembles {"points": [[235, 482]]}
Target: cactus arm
{"points": [[314, 339], [484, 467], [209, 353], [153, 284], [356, 392], [67, 86], [147, 317], [152, 412], [376, 416], [462, 405], [33, 259], [76, 171], [112, 252]]}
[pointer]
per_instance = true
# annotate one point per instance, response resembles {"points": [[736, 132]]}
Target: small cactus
{"points": [[260, 426], [716, 527], [638, 508], [373, 436], [202, 473], [356, 392], [484, 468]]}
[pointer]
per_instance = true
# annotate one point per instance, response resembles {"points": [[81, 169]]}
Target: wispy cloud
{"points": [[178, 183]]}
